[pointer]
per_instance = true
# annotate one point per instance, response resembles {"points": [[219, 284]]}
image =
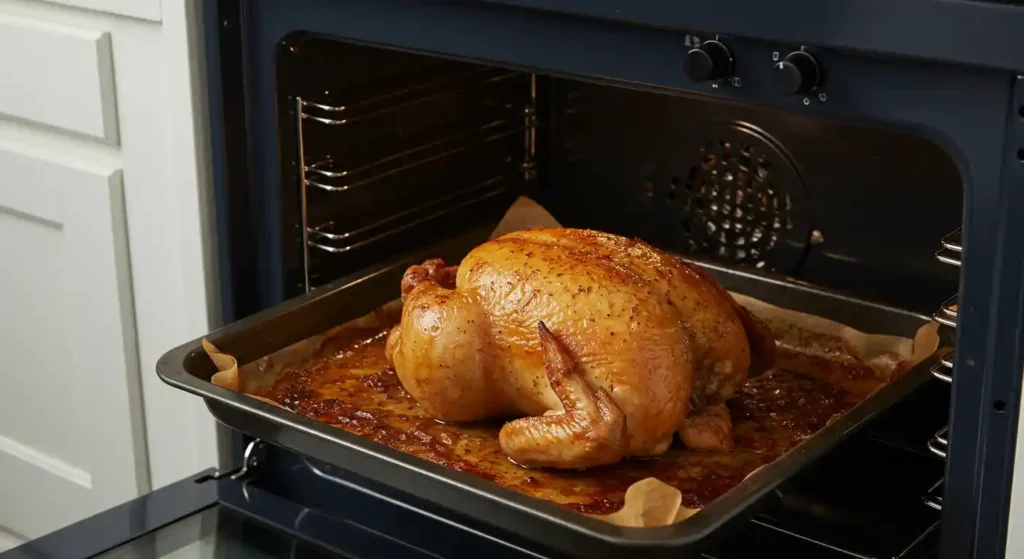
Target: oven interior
{"points": [[383, 151]]}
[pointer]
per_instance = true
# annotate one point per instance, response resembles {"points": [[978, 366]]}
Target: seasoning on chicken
{"points": [[603, 347]]}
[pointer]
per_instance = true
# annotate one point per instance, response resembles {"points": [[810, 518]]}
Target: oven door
{"points": [[203, 516], [208, 515], [288, 506]]}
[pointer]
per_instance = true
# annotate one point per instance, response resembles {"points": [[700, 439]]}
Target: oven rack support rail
{"points": [[952, 249], [950, 253], [933, 498], [975, 93], [328, 176], [943, 370], [938, 443]]}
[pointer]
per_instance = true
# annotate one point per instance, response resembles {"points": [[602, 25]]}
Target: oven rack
{"points": [[933, 498], [952, 248], [409, 98], [951, 252], [329, 236], [943, 370], [330, 175], [939, 442], [946, 315], [422, 149]]}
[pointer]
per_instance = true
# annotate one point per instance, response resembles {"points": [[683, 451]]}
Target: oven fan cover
{"points": [[732, 194]]}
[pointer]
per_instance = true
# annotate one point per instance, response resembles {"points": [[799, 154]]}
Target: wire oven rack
{"points": [[951, 253], [952, 247], [422, 152], [933, 498]]}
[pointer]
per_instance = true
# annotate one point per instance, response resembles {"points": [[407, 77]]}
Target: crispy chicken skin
{"points": [[601, 345]]}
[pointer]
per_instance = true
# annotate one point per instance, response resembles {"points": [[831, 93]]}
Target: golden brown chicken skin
{"points": [[599, 344]]}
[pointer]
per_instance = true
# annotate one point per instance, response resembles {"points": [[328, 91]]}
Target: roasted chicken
{"points": [[602, 347]]}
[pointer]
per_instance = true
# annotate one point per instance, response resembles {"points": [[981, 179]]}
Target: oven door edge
{"points": [[125, 522]]}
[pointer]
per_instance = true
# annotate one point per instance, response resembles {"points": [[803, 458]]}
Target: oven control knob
{"points": [[797, 73], [710, 61]]}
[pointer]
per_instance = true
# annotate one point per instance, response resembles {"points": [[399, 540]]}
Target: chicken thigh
{"points": [[603, 347]]}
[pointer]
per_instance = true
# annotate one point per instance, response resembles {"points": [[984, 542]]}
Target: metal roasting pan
{"points": [[187, 367]]}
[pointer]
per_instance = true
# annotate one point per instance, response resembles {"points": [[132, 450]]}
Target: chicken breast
{"points": [[601, 346]]}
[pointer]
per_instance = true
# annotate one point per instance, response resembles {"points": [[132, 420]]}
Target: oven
{"points": [[799, 144]]}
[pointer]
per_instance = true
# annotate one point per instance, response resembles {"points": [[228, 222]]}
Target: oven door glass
{"points": [[203, 516], [200, 516], [217, 531]]}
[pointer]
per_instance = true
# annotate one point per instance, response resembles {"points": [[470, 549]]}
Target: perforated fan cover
{"points": [[732, 195]]}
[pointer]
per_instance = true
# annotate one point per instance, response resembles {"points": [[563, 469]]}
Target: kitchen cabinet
{"points": [[68, 424], [143, 9], [105, 265], [67, 82]]}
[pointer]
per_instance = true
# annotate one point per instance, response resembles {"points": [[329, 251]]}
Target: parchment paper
{"points": [[648, 502]]}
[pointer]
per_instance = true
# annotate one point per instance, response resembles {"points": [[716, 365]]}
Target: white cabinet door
{"points": [[142, 9], [70, 420], [65, 79]]}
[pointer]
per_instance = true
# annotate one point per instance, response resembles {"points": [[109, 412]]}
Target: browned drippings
{"points": [[348, 385]]}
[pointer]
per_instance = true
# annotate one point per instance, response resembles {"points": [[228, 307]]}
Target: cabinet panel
{"points": [[58, 75], [70, 408], [142, 9]]}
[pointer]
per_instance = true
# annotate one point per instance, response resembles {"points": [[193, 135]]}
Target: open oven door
{"points": [[240, 513], [200, 516], [209, 514], [230, 514], [172, 519], [212, 514]]}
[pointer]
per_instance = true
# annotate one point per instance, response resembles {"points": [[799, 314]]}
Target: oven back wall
{"points": [[845, 206]]}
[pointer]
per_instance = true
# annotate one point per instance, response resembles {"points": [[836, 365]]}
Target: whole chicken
{"points": [[603, 347]]}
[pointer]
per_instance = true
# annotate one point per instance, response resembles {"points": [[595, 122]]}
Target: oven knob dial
{"points": [[710, 61], [797, 73]]}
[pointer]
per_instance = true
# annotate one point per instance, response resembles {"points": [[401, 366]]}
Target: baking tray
{"points": [[187, 367]]}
